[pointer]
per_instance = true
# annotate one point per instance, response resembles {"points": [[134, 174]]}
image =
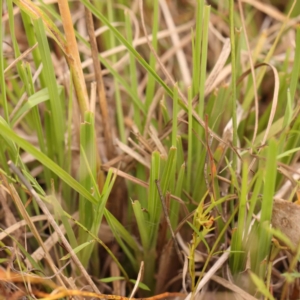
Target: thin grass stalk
{"points": [[2, 77], [175, 112], [201, 90], [100, 207], [164, 111], [55, 104], [88, 149], [106, 122], [112, 44], [189, 170], [254, 197], [294, 142], [233, 80], [38, 126], [266, 209], [197, 47], [181, 157], [67, 193], [61, 214], [237, 246], [152, 60], [133, 73], [17, 53], [203, 65], [296, 65], [141, 223], [154, 209], [30, 36]]}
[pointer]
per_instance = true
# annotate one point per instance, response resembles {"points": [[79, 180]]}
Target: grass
{"points": [[152, 170]]}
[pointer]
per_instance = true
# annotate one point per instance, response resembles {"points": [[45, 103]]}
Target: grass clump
{"points": [[147, 146]]}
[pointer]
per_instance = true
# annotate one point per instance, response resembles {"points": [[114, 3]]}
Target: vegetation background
{"points": [[147, 147]]}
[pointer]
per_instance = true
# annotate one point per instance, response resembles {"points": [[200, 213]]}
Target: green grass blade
{"points": [[266, 209], [237, 247], [50, 79], [141, 223], [152, 61]]}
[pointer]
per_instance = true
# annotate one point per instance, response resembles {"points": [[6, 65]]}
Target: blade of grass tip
{"points": [[169, 169], [30, 36], [164, 111], [238, 256], [54, 225], [154, 206], [108, 185], [55, 104], [180, 155], [267, 205], [141, 223], [2, 77], [72, 51], [152, 60], [32, 101], [133, 72]]}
